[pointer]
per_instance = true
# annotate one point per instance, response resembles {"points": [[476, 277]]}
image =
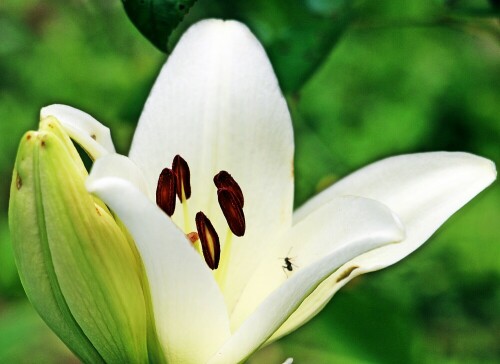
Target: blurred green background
{"points": [[364, 80]]}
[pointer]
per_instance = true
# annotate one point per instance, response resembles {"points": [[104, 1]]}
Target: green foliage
{"points": [[156, 19], [24, 338], [364, 326], [364, 80], [299, 34]]}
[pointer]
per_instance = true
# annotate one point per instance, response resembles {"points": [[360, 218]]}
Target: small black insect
{"points": [[289, 265]]}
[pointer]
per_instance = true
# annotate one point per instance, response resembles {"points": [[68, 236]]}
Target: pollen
{"points": [[225, 180], [231, 202], [165, 191], [209, 240], [232, 210], [183, 177]]}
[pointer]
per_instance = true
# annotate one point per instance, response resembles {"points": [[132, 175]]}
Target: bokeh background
{"points": [[364, 80]]}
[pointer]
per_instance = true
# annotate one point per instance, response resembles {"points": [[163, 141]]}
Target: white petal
{"points": [[423, 189], [336, 224], [282, 302], [90, 134], [190, 315], [119, 166], [217, 103]]}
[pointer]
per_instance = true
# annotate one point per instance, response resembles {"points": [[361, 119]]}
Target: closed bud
{"points": [[78, 267]]}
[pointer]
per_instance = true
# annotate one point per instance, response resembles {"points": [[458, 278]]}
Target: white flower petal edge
{"points": [[332, 226], [189, 310], [217, 103], [94, 137], [424, 190], [119, 166], [283, 301]]}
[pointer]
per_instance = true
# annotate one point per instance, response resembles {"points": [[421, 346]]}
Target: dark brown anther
{"points": [[183, 176], [232, 210], [209, 240], [225, 180], [165, 191]]}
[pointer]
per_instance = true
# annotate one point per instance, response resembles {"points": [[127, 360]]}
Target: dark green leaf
{"points": [[298, 35], [474, 8], [156, 19]]}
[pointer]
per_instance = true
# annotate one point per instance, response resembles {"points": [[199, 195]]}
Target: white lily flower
{"points": [[217, 104]]}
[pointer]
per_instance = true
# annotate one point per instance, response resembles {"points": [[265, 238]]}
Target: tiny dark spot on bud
{"points": [[93, 136], [209, 240], [51, 126], [19, 182], [98, 212], [347, 273], [42, 144], [28, 137], [232, 210], [165, 191]]}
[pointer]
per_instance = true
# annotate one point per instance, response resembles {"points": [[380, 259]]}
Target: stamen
{"points": [[209, 240], [221, 273], [232, 210], [165, 191], [225, 180], [183, 176]]}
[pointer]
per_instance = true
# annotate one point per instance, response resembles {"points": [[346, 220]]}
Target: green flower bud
{"points": [[79, 268]]}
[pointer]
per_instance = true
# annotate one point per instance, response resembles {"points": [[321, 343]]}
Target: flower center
{"points": [[175, 183]]}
